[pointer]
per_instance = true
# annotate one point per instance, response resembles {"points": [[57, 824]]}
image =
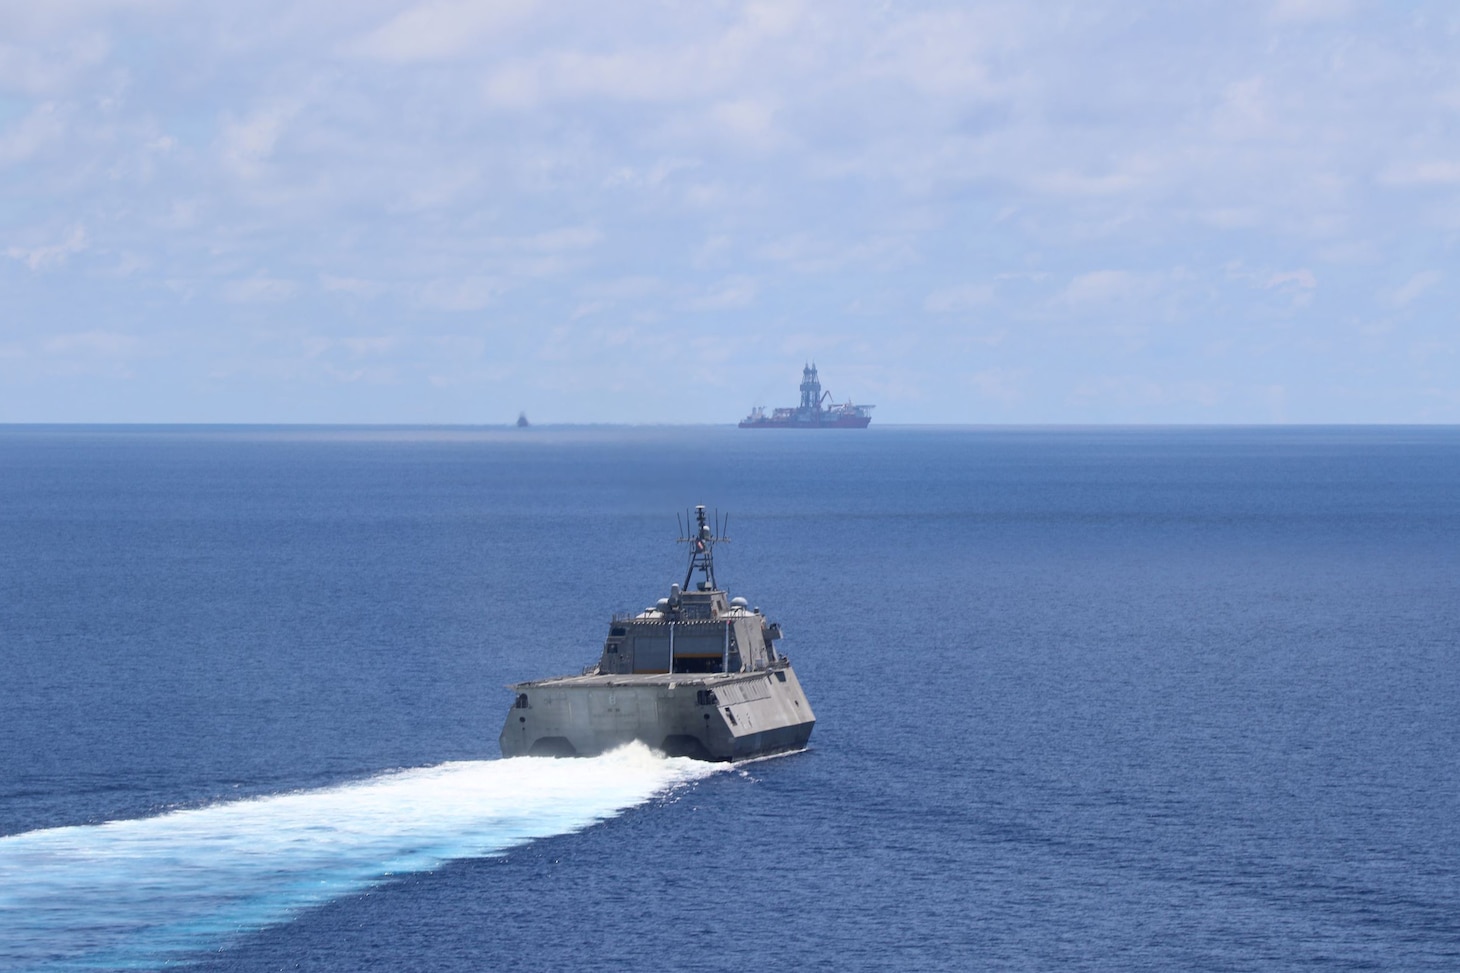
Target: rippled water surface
{"points": [[1088, 699]]}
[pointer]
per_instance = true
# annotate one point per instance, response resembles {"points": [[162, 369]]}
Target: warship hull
{"points": [[695, 674], [716, 716]]}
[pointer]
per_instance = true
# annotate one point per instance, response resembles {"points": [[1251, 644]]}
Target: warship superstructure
{"points": [[813, 412], [696, 674]]}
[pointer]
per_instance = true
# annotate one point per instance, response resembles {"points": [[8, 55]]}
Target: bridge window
{"points": [[697, 664]]}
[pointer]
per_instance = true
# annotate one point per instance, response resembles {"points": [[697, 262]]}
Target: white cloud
{"points": [[654, 76], [47, 71], [53, 255], [1297, 285], [729, 294], [1244, 112], [692, 55], [258, 290], [1300, 279], [1115, 392], [370, 345], [1432, 172], [1232, 217], [126, 264], [564, 238], [1415, 287], [1308, 11], [97, 344], [1002, 385], [40, 20], [462, 294], [354, 286], [628, 288], [513, 86], [653, 175], [747, 122], [41, 128], [810, 254], [1064, 182], [945, 53], [441, 30], [245, 144], [1105, 287], [962, 298]]}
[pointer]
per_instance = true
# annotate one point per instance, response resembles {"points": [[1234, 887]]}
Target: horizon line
{"points": [[527, 430]]}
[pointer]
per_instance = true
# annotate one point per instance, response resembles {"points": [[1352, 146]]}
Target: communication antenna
{"points": [[701, 543]]}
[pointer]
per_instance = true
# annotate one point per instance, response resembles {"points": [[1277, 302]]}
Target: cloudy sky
{"points": [[978, 212]]}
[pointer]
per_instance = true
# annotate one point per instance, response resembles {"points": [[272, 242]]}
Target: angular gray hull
{"points": [[715, 716]]}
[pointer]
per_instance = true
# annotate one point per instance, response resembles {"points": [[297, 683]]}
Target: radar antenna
{"points": [[702, 547]]}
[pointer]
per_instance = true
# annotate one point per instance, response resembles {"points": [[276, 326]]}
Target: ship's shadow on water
{"points": [[1086, 699]]}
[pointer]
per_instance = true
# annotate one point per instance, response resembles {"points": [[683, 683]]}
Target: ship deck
{"points": [[665, 679]]}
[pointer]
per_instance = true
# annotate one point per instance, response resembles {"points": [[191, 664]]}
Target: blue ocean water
{"points": [[1095, 699]]}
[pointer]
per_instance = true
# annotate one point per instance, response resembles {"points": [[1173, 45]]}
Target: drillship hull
{"points": [[841, 422], [716, 716]]}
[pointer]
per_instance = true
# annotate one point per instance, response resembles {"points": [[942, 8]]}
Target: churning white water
{"points": [[138, 892]]}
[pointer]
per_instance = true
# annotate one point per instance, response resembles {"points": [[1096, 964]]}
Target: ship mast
{"points": [[702, 548]]}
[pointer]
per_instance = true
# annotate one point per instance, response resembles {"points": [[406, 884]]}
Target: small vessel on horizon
{"points": [[813, 412], [696, 675], [522, 422]]}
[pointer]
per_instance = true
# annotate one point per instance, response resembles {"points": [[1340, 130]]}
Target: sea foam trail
{"points": [[141, 892]]}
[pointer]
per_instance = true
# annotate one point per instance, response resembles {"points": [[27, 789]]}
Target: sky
{"points": [[1241, 211]]}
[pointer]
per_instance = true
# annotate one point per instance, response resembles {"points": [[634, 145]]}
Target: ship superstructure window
{"points": [[521, 701], [698, 664], [700, 644], [699, 648]]}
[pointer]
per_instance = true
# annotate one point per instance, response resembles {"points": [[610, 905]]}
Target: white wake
{"points": [[141, 892]]}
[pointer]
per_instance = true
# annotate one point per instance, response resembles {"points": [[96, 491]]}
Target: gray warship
{"points": [[695, 675]]}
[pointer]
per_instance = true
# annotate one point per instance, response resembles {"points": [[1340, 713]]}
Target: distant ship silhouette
{"points": [[522, 422]]}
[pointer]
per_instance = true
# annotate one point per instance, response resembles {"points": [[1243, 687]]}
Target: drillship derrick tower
{"points": [[810, 389]]}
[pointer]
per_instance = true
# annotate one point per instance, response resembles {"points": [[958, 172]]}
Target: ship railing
{"points": [[618, 617]]}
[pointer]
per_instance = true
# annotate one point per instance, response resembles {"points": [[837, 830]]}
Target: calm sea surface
{"points": [[1092, 699]]}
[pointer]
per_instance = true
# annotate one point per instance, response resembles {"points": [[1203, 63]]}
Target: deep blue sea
{"points": [[1087, 699]]}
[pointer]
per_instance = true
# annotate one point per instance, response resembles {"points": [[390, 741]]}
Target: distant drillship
{"points": [[812, 413]]}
